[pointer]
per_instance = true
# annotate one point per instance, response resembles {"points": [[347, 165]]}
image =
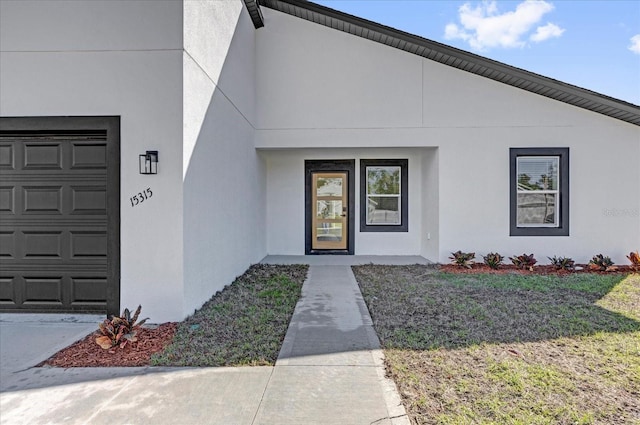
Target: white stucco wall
{"points": [[234, 112], [474, 213], [286, 201], [313, 77], [430, 213], [321, 88], [224, 178], [181, 77], [112, 58]]}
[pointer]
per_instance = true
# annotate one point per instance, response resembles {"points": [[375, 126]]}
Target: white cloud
{"points": [[484, 26], [546, 32], [635, 44]]}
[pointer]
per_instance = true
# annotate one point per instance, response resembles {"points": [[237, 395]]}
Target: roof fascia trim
{"points": [[255, 13]]}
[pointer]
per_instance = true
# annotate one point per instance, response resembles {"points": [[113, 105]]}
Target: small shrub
{"points": [[601, 262], [634, 257], [493, 260], [463, 259], [119, 330], [562, 263], [524, 261]]}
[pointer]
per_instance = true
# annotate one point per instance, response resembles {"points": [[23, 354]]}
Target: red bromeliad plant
{"points": [[493, 260], [634, 257], [463, 259], [562, 263], [602, 263], [120, 330], [524, 261]]}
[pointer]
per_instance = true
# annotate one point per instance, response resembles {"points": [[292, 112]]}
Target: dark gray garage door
{"points": [[55, 247]]}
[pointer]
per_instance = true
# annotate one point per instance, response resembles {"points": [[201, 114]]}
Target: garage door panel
{"points": [[51, 291], [7, 156], [42, 200], [75, 156], [7, 293], [39, 244], [53, 268], [85, 245], [48, 244], [7, 245], [56, 241], [87, 199], [88, 290], [7, 200], [88, 155], [43, 290], [42, 156]]}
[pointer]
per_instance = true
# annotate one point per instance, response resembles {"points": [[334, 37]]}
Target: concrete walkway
{"points": [[330, 368], [329, 371]]}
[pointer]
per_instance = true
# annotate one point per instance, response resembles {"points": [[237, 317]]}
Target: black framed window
{"points": [[539, 191], [384, 186]]}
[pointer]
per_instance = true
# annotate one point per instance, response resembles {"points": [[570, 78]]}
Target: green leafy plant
{"points": [[601, 262], [463, 259], [562, 263], [634, 257], [524, 261], [493, 260], [119, 331]]}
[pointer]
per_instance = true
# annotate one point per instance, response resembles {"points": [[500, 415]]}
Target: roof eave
{"points": [[255, 13]]}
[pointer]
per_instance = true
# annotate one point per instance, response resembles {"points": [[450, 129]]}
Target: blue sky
{"points": [[591, 44]]}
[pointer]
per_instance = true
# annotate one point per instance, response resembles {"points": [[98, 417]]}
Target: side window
{"points": [[383, 195], [539, 198]]}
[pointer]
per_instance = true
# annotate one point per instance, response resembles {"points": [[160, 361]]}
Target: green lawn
{"points": [[509, 349], [244, 324]]}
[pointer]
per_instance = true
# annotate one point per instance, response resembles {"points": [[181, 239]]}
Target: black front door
{"points": [[329, 210]]}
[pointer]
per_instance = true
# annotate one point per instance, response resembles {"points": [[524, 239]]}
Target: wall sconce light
{"points": [[149, 162]]}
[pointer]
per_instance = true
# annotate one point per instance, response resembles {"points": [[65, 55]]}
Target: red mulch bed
{"points": [[87, 353], [537, 269]]}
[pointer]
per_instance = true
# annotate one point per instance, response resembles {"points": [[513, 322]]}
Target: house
{"points": [[245, 110]]}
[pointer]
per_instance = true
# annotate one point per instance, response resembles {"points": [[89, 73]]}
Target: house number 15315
{"points": [[141, 197]]}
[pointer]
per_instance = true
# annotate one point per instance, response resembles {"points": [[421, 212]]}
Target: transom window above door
{"points": [[383, 195]]}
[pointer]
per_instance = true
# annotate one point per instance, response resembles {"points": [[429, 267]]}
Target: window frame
{"points": [[403, 226], [562, 228]]}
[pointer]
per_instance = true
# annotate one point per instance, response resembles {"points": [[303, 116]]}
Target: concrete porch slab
{"points": [[345, 260]]}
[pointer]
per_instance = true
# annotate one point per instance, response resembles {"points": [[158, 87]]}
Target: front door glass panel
{"points": [[329, 211]]}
